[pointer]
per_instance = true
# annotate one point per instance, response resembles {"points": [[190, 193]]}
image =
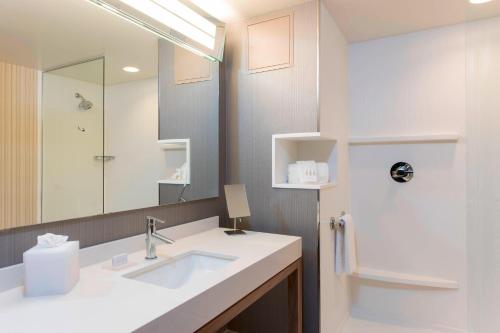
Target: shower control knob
{"points": [[402, 172]]}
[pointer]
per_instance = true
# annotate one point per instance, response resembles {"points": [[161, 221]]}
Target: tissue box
{"points": [[50, 271]]}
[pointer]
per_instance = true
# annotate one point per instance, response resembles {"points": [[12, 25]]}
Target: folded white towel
{"points": [[293, 174], [307, 172], [51, 240], [323, 172], [345, 247]]}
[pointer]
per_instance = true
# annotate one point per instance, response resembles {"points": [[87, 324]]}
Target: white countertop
{"points": [[105, 301]]}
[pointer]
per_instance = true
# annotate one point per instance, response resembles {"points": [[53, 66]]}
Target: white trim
{"points": [[305, 186], [298, 137], [305, 136], [178, 144], [407, 279], [173, 182], [425, 138], [358, 312]]}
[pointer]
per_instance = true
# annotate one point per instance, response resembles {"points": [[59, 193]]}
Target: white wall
{"points": [[409, 85], [72, 179], [131, 118], [483, 163], [333, 121]]}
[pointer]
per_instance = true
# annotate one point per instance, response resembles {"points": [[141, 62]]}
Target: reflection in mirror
{"points": [[179, 21], [72, 132], [82, 131], [189, 117]]}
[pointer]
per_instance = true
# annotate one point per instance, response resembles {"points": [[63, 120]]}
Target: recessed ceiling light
{"points": [[477, 2], [131, 69]]}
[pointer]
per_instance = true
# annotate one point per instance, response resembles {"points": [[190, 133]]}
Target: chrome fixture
{"points": [[181, 198], [150, 234], [85, 104], [337, 224], [104, 158], [402, 172]]}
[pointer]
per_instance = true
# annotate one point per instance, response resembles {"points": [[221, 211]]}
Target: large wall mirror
{"points": [[100, 115]]}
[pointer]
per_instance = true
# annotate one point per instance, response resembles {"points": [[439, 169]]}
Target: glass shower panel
{"points": [[72, 148]]}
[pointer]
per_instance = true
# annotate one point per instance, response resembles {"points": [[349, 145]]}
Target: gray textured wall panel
{"points": [[260, 105], [190, 111]]}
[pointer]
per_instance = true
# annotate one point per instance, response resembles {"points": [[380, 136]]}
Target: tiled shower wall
{"points": [[411, 84]]}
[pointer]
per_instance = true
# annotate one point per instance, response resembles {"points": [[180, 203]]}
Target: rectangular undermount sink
{"points": [[176, 272]]}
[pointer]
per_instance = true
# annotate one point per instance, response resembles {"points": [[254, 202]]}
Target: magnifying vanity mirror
{"points": [[102, 113]]}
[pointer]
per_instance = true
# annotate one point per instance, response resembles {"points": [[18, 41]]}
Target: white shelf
{"points": [[308, 136], [172, 182], [407, 279], [305, 186], [177, 152], [426, 138], [174, 144], [292, 147]]}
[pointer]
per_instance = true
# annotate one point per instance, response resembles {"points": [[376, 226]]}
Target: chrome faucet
{"points": [[150, 234]]}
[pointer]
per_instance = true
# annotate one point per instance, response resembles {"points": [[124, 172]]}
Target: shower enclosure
{"points": [[72, 141], [428, 249]]}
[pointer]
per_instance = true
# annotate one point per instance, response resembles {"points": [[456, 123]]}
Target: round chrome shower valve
{"points": [[402, 172]]}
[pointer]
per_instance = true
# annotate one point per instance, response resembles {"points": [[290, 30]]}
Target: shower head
{"points": [[84, 105]]}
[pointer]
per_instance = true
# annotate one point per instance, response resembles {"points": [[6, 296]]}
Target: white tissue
{"points": [[51, 240], [51, 270]]}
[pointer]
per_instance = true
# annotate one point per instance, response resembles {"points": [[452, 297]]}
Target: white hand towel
{"points": [[51, 240], [345, 247]]}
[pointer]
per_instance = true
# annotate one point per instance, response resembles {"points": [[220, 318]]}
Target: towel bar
{"points": [[337, 225]]}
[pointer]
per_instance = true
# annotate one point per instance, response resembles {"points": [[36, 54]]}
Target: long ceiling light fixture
{"points": [[170, 13], [189, 15], [179, 17]]}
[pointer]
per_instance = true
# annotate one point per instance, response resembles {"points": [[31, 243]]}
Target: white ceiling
{"points": [[234, 10], [51, 33], [362, 20]]}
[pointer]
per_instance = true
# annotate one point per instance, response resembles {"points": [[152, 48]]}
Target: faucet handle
{"points": [[151, 223], [153, 220]]}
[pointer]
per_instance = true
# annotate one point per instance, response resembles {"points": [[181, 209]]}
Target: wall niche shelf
{"points": [[407, 279], [291, 147], [177, 152], [305, 186], [405, 139]]}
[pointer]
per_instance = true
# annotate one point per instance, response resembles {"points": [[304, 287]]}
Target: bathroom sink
{"points": [[176, 272]]}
